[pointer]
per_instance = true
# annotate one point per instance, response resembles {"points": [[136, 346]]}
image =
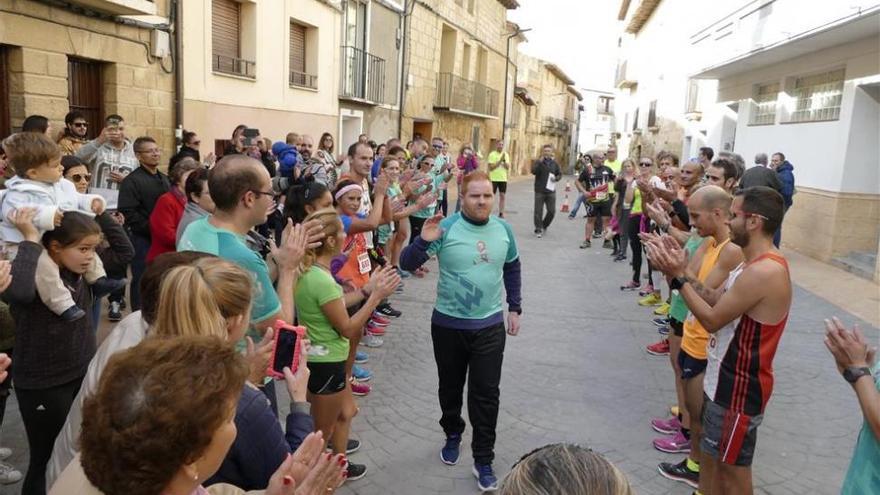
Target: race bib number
{"points": [[364, 263], [601, 195]]}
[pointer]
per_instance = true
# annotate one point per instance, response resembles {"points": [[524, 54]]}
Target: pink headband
{"points": [[351, 187]]}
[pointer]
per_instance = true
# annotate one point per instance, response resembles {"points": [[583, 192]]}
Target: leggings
{"points": [[634, 224], [43, 412]]}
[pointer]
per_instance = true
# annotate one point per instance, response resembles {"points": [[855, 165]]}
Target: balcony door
{"points": [[354, 48]]}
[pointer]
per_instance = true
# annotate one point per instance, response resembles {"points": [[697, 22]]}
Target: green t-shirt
{"points": [[314, 289], [863, 475], [615, 166], [678, 310], [386, 229], [499, 174], [472, 259]]}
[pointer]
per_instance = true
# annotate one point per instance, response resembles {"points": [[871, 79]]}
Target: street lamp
{"points": [[506, 82]]}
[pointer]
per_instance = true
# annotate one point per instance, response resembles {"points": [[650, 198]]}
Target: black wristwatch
{"points": [[853, 373], [677, 283], [515, 309]]}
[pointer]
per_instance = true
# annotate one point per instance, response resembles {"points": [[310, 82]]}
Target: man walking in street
{"points": [[138, 194], [478, 257], [547, 173], [746, 318], [499, 166], [785, 171]]}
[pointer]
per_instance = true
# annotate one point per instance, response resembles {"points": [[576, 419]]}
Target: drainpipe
{"points": [[177, 8], [408, 6], [507, 83]]}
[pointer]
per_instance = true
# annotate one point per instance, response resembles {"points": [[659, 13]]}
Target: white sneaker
{"points": [[370, 340], [9, 474], [5, 453]]}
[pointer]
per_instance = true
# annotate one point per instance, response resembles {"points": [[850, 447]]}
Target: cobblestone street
{"points": [[578, 372]]}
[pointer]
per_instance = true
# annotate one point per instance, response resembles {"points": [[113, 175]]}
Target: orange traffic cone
{"points": [[565, 205]]}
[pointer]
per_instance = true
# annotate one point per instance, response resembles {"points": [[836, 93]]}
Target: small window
{"points": [[764, 108], [5, 122], [85, 92], [692, 98], [652, 114], [818, 97], [226, 49], [636, 119], [605, 105], [299, 73], [470, 6]]}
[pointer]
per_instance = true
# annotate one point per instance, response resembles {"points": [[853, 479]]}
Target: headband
{"points": [[351, 187]]}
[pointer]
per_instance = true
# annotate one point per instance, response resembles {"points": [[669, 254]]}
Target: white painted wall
{"points": [[862, 164]]}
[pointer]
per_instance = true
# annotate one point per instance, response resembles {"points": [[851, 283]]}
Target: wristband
{"points": [[515, 309]]}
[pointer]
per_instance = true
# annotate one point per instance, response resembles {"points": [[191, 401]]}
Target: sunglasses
{"points": [[80, 124], [746, 214], [645, 164], [81, 177], [437, 146]]}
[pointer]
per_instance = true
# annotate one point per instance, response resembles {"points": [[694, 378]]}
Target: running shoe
{"points": [[651, 299], [630, 286], [451, 451], [586, 244], [403, 273], [352, 446], [597, 235], [659, 349], [355, 471], [371, 340], [359, 389], [115, 312], [539, 234], [361, 374], [379, 319], [680, 472], [374, 330], [385, 309], [663, 331], [666, 426], [8, 474], [486, 480], [647, 289], [674, 444], [620, 257], [662, 310], [660, 322], [608, 244], [361, 357]]}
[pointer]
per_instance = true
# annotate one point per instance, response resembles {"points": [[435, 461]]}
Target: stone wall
{"points": [[134, 85]]}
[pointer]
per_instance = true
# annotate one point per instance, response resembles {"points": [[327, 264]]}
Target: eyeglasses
{"points": [[646, 164], [81, 177], [437, 146], [746, 214], [80, 124], [150, 151], [271, 194]]}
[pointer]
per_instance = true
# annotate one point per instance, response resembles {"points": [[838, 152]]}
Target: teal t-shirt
{"points": [[386, 229], [203, 237], [430, 210], [863, 475], [314, 289], [678, 310], [472, 259]]}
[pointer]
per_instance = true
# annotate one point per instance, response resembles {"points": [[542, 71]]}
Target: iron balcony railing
{"points": [[303, 80], [363, 75], [234, 66], [457, 93]]}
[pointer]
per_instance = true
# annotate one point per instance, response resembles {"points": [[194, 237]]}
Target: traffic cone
{"points": [[565, 205]]}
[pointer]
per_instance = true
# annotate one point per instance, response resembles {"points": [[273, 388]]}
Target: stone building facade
{"points": [[54, 59]]}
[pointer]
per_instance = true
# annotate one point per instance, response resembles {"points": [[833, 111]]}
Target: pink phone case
{"points": [[282, 326]]}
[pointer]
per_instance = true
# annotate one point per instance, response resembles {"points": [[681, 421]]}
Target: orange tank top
{"points": [[695, 336]]}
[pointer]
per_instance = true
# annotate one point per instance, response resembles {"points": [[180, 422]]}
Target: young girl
{"points": [[51, 354], [321, 307]]}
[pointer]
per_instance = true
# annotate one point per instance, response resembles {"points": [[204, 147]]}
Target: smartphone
{"points": [[249, 135], [287, 350]]}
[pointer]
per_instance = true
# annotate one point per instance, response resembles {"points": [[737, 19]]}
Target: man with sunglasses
{"points": [[75, 131], [189, 147], [745, 318]]}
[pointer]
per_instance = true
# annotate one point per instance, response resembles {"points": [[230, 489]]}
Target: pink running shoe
{"points": [[374, 330], [379, 319], [675, 444], [359, 389], [666, 426], [647, 289]]}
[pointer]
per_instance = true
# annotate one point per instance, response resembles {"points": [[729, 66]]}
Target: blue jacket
{"points": [[786, 176], [260, 446]]}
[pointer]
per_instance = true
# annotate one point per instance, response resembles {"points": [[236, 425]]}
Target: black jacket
{"points": [[138, 194], [541, 169], [185, 151], [116, 252]]}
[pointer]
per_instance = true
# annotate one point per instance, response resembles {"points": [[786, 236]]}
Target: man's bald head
{"points": [[708, 198], [232, 177]]}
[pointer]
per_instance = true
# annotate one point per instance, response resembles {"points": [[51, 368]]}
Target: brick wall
{"points": [[43, 37]]}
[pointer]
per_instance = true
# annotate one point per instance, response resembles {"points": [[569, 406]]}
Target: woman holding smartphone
{"points": [[321, 308]]}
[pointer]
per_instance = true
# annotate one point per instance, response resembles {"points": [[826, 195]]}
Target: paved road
{"points": [[578, 373]]}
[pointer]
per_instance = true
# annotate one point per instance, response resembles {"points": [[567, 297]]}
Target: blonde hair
{"points": [[564, 468], [330, 226], [197, 299]]}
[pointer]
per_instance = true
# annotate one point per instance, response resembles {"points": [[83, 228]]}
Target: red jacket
{"points": [[163, 223]]}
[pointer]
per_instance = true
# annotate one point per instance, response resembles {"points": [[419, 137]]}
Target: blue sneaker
{"points": [[361, 357], [486, 480], [404, 273], [361, 374], [450, 452]]}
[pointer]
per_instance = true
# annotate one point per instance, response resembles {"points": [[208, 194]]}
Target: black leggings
{"points": [[634, 223], [43, 412]]}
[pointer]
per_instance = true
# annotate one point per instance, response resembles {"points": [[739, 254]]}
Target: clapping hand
{"points": [[258, 356], [293, 246], [431, 230], [308, 471], [849, 348], [387, 279]]}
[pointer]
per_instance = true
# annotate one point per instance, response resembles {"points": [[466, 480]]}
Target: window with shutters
{"points": [[818, 97], [765, 101], [300, 75], [652, 114], [85, 92], [5, 123], [227, 18]]}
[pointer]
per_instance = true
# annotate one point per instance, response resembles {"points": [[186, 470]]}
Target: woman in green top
{"points": [[321, 308]]}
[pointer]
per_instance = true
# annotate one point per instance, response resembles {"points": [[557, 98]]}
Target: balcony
{"points": [[458, 95], [234, 66], [555, 127], [303, 80], [119, 7], [363, 76], [622, 80]]}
